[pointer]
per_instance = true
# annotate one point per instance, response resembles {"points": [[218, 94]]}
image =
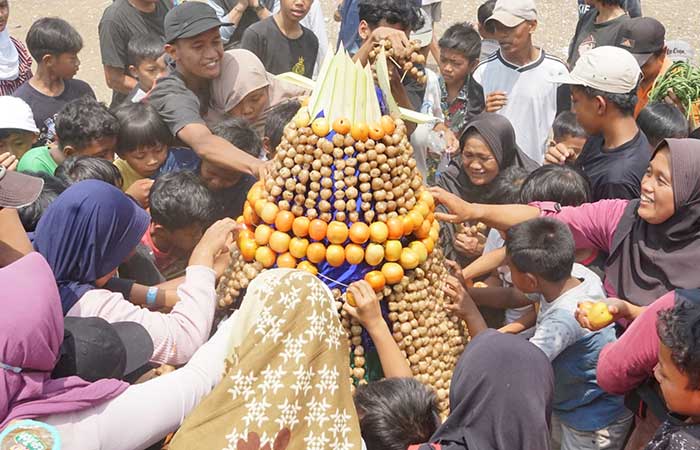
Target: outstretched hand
{"points": [[459, 211], [363, 305]]}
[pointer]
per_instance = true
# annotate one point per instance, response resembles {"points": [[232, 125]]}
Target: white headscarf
{"points": [[9, 58]]}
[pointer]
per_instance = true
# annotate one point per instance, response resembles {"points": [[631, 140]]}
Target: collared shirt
{"points": [[468, 103]]}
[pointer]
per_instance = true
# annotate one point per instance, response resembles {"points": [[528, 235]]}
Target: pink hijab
{"points": [[31, 332], [242, 73]]}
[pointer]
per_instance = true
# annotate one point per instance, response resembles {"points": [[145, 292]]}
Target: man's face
{"points": [[454, 66], [216, 178], [65, 65], [199, 56], [514, 41], [148, 71], [295, 10], [652, 68], [587, 110], [18, 143], [103, 147]]}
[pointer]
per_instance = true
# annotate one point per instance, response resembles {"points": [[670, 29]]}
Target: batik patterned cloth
{"points": [[288, 385]]}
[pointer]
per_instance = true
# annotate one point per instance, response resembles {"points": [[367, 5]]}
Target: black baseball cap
{"points": [[18, 190], [642, 36], [190, 19], [94, 349]]}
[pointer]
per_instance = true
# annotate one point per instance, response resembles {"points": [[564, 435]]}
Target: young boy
{"points": [[568, 132], [489, 43], [678, 374], [616, 155], [281, 42], [83, 127], [462, 98], [146, 63], [230, 188], [598, 27], [515, 78], [17, 128], [181, 208], [540, 255], [278, 118], [54, 44]]}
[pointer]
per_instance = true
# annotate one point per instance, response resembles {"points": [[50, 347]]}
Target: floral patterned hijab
{"points": [[288, 386]]}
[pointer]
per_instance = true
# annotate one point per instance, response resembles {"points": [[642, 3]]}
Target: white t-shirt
{"points": [[421, 135], [532, 99]]}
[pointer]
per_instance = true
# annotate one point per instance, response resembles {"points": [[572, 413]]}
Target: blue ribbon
{"points": [[10, 368]]}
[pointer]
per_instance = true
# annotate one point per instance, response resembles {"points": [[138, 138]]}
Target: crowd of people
{"points": [[117, 222]]}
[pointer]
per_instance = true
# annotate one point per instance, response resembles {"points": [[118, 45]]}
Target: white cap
{"points": [[16, 114], [608, 69], [512, 13]]}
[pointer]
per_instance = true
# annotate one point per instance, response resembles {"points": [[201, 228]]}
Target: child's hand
{"points": [[8, 161], [559, 154], [367, 311], [455, 288], [468, 245], [459, 210], [139, 191], [219, 237], [496, 100]]}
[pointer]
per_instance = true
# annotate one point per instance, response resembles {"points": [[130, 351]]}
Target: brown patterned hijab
{"points": [[288, 386]]}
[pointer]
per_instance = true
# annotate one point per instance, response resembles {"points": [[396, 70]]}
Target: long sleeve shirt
{"points": [[177, 335]]}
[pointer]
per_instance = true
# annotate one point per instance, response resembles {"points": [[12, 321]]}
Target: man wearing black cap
{"points": [[645, 38], [182, 97]]}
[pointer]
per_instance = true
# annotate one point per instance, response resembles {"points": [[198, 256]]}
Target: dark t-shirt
{"points": [[176, 103], [278, 53], [45, 107], [231, 200], [590, 35], [615, 172], [120, 22]]}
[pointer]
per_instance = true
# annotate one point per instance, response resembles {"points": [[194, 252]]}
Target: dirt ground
{"points": [[556, 25]]}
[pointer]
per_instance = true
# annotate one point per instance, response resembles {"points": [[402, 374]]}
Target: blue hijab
{"points": [[86, 233]]}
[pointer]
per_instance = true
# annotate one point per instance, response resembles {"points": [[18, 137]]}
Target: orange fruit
{"points": [[407, 225], [240, 219], [434, 234], [284, 221], [376, 279], [376, 131], [395, 226], [286, 261], [392, 272], [302, 118], [265, 256], [392, 250], [245, 234], [359, 232], [337, 232], [298, 246], [427, 198], [374, 254], [387, 124], [269, 212], [350, 299], [262, 234], [378, 232], [249, 216], [422, 208], [420, 249], [335, 255], [423, 231], [354, 254], [254, 193], [359, 131], [317, 229], [321, 127], [341, 125], [258, 206], [300, 226], [429, 244], [279, 242], [248, 247], [416, 218], [307, 266], [316, 252], [409, 259]]}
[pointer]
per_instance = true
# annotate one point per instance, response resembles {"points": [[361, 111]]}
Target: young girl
{"points": [[99, 229]]}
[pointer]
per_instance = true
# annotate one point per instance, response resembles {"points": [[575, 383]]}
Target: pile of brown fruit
{"points": [[408, 62]]}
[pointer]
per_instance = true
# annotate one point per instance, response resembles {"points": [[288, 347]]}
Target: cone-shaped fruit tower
{"points": [[346, 201]]}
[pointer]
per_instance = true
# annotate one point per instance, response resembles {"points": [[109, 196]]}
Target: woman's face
{"points": [[252, 105], [478, 161], [657, 199], [4, 14]]}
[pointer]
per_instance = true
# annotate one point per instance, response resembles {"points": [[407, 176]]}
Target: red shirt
{"points": [[163, 260]]}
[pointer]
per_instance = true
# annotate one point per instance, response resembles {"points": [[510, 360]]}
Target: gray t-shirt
{"points": [[176, 103], [278, 53], [120, 22], [590, 35]]}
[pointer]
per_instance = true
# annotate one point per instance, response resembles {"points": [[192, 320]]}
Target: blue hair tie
{"points": [[10, 368]]}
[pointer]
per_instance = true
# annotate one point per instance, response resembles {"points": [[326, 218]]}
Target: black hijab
{"points": [[500, 397]]}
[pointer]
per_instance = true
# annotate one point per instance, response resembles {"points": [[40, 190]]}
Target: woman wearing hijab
{"points": [[15, 61], [89, 416], [500, 397], [653, 242], [488, 148], [289, 384], [88, 231], [246, 90]]}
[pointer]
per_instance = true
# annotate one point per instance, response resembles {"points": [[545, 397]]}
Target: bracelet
{"points": [[151, 296]]}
